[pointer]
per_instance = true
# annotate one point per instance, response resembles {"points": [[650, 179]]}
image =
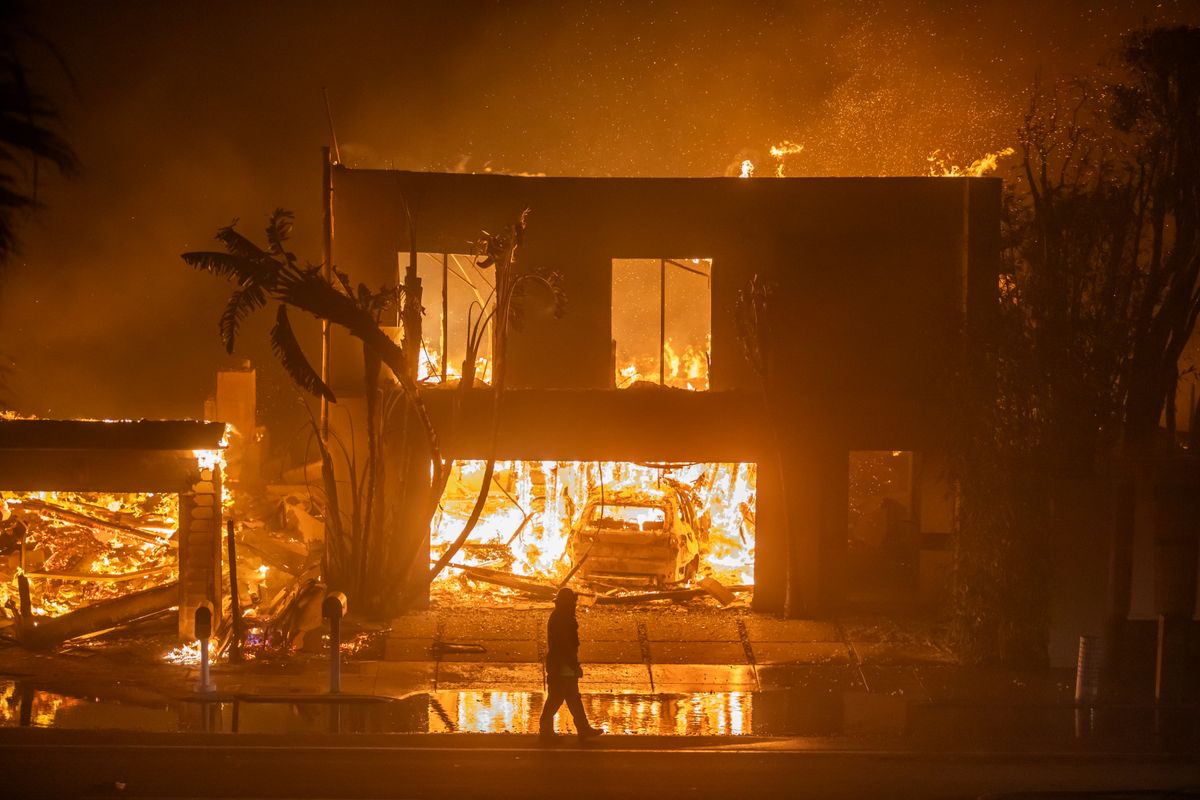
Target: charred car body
{"points": [[639, 536]]}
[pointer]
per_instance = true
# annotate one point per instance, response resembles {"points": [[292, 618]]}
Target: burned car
{"points": [[639, 536]]}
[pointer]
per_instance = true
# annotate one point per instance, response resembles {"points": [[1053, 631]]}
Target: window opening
{"points": [[453, 292], [661, 322]]}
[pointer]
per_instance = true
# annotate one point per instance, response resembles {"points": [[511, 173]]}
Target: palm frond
{"points": [[241, 304], [343, 280], [279, 228], [225, 265], [291, 355], [238, 245], [309, 291]]}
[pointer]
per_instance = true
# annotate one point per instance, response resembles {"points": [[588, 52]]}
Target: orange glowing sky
{"points": [[188, 114]]}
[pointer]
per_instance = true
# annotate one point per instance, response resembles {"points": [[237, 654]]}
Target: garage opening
{"points": [[612, 530]]}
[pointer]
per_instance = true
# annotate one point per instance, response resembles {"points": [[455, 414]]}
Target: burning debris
{"points": [[617, 529], [78, 548]]}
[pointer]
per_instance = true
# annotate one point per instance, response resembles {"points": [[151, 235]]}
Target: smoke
{"points": [[188, 115]]}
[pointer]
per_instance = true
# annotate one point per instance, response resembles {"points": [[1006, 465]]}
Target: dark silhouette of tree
{"points": [[27, 136], [1098, 299], [1106, 236]]}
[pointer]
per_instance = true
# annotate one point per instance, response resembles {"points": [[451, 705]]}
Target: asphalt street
{"points": [[101, 765]]}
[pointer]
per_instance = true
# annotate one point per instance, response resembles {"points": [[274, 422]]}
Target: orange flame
{"points": [[941, 167], [781, 151]]}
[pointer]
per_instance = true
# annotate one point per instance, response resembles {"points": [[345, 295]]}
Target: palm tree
{"points": [[274, 274]]}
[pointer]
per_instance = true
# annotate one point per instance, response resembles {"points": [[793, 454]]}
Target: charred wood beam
{"points": [[96, 470], [575, 568], [54, 510], [718, 590], [235, 611], [100, 616], [145, 435], [95, 577], [670, 594], [493, 576], [274, 554]]}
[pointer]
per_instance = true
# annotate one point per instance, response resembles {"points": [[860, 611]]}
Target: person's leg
{"points": [[575, 705], [554, 700]]}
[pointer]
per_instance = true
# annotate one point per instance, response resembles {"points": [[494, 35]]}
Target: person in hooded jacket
{"points": [[562, 668]]}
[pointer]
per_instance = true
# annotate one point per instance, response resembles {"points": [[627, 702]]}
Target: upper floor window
{"points": [[662, 321]]}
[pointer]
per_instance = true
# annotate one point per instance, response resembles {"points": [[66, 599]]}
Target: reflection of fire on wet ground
{"points": [[522, 547], [683, 714]]}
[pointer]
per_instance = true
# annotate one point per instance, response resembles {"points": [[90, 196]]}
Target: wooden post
{"points": [[411, 311], [445, 314], [662, 322], [235, 642]]}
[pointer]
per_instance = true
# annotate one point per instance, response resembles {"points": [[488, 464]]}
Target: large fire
{"points": [[535, 508], [78, 548], [686, 368]]}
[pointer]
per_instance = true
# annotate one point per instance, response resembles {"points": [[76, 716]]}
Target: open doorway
{"points": [[883, 542]]}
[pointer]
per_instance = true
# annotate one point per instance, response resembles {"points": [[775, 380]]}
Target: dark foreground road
{"points": [[96, 765]]}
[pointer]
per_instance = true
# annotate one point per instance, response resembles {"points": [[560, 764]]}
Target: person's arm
{"points": [[574, 635]]}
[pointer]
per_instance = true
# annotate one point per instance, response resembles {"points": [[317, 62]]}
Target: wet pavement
{"points": [[819, 716], [664, 678]]}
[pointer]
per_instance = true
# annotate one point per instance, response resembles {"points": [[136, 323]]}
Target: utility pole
{"points": [[327, 258]]}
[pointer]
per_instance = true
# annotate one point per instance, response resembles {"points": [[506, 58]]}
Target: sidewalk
{"points": [[728, 676]]}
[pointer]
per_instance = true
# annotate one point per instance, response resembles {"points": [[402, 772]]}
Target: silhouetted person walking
{"points": [[562, 668]]}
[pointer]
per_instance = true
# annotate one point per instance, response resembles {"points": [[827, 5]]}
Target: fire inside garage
{"points": [[609, 525]]}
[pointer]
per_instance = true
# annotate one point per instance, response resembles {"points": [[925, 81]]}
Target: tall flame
{"points": [[940, 166], [781, 151]]}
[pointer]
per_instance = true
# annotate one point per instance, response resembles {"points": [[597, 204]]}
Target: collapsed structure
{"points": [[877, 290], [108, 521]]}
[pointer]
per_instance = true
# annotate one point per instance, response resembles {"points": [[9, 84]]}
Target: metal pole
{"points": [[205, 684], [235, 643], [203, 624], [662, 322], [335, 654], [445, 314], [333, 608], [327, 256]]}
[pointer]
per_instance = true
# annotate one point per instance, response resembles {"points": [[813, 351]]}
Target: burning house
{"points": [[105, 522], [636, 443]]}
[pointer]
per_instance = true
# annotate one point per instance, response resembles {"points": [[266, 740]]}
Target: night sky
{"points": [[186, 115]]}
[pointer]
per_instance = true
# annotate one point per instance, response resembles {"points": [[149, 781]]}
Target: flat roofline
{"points": [[96, 434], [716, 179]]}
